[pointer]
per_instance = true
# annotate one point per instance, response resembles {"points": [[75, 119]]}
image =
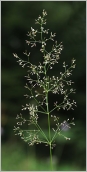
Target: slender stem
{"points": [[49, 127], [47, 90], [48, 113], [51, 157]]}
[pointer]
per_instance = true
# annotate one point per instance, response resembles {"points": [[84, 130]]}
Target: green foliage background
{"points": [[67, 19]]}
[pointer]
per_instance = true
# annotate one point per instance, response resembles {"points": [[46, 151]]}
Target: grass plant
{"points": [[38, 79]]}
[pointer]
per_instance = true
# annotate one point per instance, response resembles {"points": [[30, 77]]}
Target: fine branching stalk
{"points": [[39, 85]]}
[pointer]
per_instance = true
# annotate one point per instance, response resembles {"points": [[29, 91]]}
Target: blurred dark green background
{"points": [[68, 20]]}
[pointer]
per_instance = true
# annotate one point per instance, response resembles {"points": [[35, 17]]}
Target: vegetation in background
{"points": [[70, 26]]}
